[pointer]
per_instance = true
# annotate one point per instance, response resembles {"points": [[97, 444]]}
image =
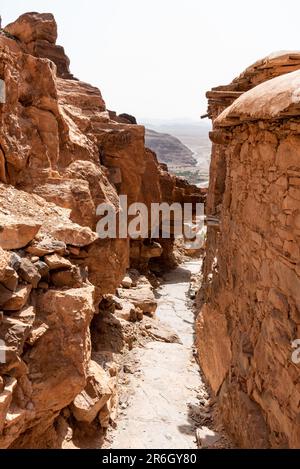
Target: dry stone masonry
{"points": [[250, 312]]}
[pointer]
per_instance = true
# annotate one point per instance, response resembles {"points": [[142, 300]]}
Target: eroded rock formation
{"points": [[251, 278], [61, 154], [169, 149]]}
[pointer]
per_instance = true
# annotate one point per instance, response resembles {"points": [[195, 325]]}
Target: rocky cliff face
{"points": [[61, 154], [250, 297]]}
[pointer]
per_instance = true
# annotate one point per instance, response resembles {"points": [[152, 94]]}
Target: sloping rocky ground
{"points": [[250, 293], [61, 154]]}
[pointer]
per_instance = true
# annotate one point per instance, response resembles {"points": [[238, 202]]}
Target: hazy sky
{"points": [[156, 58]]}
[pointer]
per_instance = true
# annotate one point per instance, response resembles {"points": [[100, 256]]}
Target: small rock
{"points": [[26, 315], [206, 438], [139, 314], [103, 416], [15, 332], [132, 315], [113, 369], [30, 406], [158, 330], [73, 250], [110, 303], [142, 297], [8, 276], [17, 299], [67, 278], [124, 312], [74, 234], [5, 294], [17, 231], [15, 261], [54, 261], [128, 369], [151, 250], [42, 268], [66, 413], [126, 282], [94, 396], [47, 245], [114, 299]]}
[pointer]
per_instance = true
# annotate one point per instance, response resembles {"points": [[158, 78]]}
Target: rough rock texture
{"points": [[141, 296], [251, 277], [169, 149], [61, 154], [94, 396]]}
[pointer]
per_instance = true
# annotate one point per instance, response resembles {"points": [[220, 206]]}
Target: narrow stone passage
{"points": [[159, 412]]}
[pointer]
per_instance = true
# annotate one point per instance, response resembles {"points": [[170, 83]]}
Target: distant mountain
{"points": [[169, 149]]}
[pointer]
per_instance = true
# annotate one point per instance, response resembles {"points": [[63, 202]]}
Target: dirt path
{"points": [[166, 393]]}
